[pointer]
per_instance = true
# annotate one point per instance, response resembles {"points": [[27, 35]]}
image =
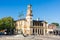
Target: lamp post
{"points": [[19, 30]]}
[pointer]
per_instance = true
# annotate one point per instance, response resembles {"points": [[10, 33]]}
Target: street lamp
{"points": [[19, 30]]}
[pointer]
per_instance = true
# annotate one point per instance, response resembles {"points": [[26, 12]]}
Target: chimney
{"points": [[38, 19]]}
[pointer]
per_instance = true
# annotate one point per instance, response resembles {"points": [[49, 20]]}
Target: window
{"points": [[41, 24]]}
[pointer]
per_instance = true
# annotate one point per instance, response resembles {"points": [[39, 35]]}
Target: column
{"points": [[37, 31], [58, 32], [40, 31], [31, 31], [44, 26], [34, 30], [44, 31]]}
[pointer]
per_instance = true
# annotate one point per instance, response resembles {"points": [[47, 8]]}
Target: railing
{"points": [[39, 27]]}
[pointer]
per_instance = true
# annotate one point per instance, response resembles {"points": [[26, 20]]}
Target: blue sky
{"points": [[48, 10]]}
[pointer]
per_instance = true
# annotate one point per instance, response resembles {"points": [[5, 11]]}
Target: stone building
{"points": [[51, 28], [30, 26]]}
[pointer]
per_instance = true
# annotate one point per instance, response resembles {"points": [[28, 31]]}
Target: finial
{"points": [[38, 19], [29, 6]]}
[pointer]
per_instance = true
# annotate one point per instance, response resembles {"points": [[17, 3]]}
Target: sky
{"points": [[48, 10]]}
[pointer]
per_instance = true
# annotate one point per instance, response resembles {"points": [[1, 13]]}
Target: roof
{"points": [[39, 21], [21, 19], [33, 20]]}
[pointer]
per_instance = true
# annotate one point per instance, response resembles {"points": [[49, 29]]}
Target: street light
{"points": [[19, 16]]}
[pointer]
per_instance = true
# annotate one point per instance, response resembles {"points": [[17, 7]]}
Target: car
{"points": [[1, 33]]}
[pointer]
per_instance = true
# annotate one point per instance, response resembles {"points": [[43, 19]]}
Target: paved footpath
{"points": [[36, 37]]}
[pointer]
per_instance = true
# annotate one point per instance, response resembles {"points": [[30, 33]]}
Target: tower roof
{"points": [[29, 10], [29, 5]]}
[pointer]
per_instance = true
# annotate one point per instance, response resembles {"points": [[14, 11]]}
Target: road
{"points": [[36, 37]]}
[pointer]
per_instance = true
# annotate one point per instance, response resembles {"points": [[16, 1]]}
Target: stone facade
{"points": [[29, 26], [51, 28]]}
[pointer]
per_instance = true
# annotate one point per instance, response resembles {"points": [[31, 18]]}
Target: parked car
{"points": [[1, 33]]}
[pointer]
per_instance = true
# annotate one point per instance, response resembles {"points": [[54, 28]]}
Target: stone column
{"points": [[31, 31], [44, 26], [58, 32], [44, 31], [37, 31], [34, 30], [41, 31]]}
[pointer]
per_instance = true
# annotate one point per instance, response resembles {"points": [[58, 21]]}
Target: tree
{"points": [[7, 23], [1, 25], [57, 24]]}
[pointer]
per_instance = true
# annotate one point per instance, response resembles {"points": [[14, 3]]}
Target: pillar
{"points": [[44, 26], [31, 31], [40, 31], [34, 30], [37, 31], [44, 31]]}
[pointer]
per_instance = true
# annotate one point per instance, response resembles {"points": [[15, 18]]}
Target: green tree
{"points": [[57, 24], [7, 23], [1, 25]]}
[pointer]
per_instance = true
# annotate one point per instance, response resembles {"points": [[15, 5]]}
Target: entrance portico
{"points": [[37, 31]]}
